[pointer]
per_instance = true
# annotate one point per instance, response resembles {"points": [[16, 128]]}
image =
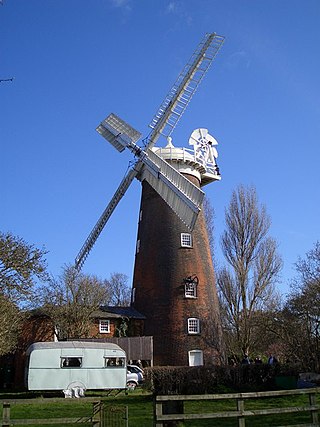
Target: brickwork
{"points": [[160, 267], [35, 328]]}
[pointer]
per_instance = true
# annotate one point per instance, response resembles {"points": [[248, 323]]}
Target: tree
{"points": [[20, 265], [209, 214], [71, 299], [120, 290], [246, 288], [10, 320], [301, 314]]}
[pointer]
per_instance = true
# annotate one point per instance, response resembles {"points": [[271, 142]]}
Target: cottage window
{"points": [[186, 240], [104, 326], [193, 326]]}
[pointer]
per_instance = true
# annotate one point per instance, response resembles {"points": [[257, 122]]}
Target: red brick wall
{"points": [[135, 328], [35, 329], [160, 267]]}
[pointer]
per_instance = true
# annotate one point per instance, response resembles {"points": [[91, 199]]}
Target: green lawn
{"points": [[50, 406], [257, 421], [141, 409]]}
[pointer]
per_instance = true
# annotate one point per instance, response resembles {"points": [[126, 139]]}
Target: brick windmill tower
{"points": [[173, 283]]}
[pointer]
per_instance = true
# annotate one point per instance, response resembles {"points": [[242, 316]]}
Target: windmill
{"points": [[183, 198], [178, 194]]}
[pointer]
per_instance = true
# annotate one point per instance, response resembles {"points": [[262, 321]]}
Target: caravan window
{"points": [[114, 362], [71, 362]]}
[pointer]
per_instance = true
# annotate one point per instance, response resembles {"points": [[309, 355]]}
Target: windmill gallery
{"points": [[173, 282]]}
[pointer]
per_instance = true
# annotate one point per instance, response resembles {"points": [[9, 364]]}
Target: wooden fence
{"points": [[164, 411], [93, 419]]}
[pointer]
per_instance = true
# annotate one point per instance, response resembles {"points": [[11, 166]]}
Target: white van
{"points": [[75, 366]]}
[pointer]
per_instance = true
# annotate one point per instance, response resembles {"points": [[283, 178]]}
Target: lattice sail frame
{"points": [[122, 135]]}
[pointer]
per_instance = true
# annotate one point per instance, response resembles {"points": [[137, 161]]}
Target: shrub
{"points": [[214, 379]]}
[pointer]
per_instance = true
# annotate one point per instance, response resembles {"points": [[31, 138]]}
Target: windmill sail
{"points": [[180, 194], [93, 236], [118, 132], [183, 197], [177, 100]]}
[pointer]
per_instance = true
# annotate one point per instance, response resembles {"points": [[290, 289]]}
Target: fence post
{"points": [[157, 411], [314, 412], [6, 414], [240, 407], [127, 416], [97, 414]]}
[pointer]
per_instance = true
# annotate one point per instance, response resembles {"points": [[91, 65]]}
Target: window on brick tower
{"points": [[104, 326], [193, 325], [190, 290], [195, 357], [186, 240]]}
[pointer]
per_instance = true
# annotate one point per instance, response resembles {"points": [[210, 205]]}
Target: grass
{"points": [[140, 406], [51, 406], [254, 421]]}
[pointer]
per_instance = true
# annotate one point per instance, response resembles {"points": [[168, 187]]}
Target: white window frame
{"points": [[133, 295], [191, 357], [104, 326], [193, 326], [138, 246], [190, 290], [186, 240]]}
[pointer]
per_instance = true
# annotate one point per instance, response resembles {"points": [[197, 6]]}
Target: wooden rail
{"points": [[94, 418], [164, 412]]}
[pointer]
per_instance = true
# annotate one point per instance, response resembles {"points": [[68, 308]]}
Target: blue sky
{"points": [[75, 61]]}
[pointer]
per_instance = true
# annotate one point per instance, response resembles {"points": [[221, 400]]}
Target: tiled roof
{"points": [[117, 312]]}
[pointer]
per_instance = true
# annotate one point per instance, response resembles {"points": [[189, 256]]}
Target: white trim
{"points": [[104, 326], [193, 326], [195, 357], [190, 290], [186, 240]]}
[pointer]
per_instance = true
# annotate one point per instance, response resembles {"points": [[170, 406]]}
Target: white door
{"points": [[195, 358]]}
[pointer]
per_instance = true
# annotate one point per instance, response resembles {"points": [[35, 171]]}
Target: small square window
{"points": [[104, 326], [193, 325], [186, 240]]}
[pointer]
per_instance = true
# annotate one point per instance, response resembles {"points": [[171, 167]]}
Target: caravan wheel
{"points": [[75, 389], [131, 385]]}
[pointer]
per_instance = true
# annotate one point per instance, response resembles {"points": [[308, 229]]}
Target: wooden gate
{"points": [[114, 416]]}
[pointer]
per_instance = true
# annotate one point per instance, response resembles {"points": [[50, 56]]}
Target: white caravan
{"points": [[74, 366]]}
